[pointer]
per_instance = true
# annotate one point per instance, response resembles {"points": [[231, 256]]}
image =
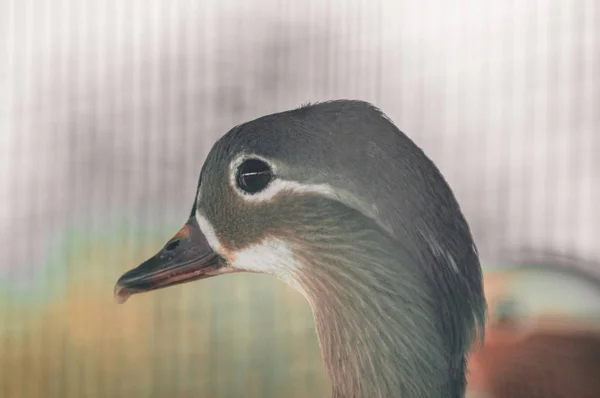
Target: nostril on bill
{"points": [[172, 245]]}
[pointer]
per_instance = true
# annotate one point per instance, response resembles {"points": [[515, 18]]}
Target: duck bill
{"points": [[186, 257]]}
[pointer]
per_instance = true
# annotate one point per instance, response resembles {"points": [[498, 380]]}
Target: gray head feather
{"points": [[392, 273]]}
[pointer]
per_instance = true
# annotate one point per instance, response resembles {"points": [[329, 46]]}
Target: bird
{"points": [[542, 335], [334, 200]]}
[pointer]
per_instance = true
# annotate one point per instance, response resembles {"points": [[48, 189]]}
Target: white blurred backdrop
{"points": [[109, 107]]}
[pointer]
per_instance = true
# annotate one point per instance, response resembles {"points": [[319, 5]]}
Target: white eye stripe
{"points": [[277, 185]]}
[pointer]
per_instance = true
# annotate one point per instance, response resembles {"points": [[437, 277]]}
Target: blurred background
{"points": [[108, 109]]}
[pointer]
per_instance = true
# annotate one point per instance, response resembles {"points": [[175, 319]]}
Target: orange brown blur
{"points": [[545, 355], [541, 364]]}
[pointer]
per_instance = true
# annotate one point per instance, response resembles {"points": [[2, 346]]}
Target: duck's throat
{"points": [[379, 337]]}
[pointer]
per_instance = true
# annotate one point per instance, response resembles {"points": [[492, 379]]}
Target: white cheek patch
{"points": [[271, 256]]}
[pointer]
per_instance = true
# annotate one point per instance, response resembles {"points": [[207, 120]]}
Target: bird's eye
{"points": [[253, 175]]}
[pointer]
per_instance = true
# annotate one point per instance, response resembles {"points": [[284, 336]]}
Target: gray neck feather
{"points": [[393, 317], [376, 319], [376, 337]]}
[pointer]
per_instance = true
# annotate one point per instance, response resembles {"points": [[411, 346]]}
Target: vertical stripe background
{"points": [[108, 108]]}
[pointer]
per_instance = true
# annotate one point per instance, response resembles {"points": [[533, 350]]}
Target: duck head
{"points": [[334, 200]]}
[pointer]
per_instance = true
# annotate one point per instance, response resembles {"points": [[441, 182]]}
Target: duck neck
{"points": [[378, 331]]}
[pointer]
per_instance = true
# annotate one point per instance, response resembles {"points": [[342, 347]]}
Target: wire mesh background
{"points": [[109, 108]]}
